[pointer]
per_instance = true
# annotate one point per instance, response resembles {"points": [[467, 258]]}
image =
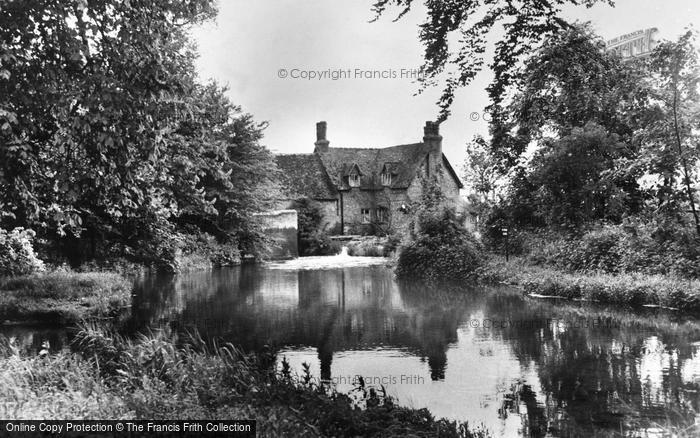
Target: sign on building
{"points": [[635, 44]]}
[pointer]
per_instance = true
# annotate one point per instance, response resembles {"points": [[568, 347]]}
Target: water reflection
{"points": [[31, 339], [520, 366]]}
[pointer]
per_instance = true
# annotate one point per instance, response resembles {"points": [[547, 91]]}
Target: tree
{"points": [[565, 136], [670, 138], [313, 239], [568, 82], [481, 171], [105, 135], [469, 23], [575, 177]]}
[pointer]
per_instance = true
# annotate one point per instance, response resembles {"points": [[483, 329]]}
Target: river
{"points": [[519, 366]]}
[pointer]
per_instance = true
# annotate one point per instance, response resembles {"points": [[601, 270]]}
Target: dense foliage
{"points": [[649, 248], [588, 139], [314, 240], [17, 256], [109, 145], [438, 247], [442, 250]]}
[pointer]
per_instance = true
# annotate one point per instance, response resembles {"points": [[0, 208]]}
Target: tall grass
{"points": [[53, 387], [158, 376], [63, 296], [627, 289]]}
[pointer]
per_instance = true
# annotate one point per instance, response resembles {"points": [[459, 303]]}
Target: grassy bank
{"points": [[152, 378], [624, 289], [63, 297]]}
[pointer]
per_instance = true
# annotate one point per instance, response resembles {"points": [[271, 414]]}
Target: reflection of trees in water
{"points": [[595, 375], [534, 416], [335, 310], [591, 378], [32, 339]]}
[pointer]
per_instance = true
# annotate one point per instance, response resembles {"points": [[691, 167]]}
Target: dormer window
{"points": [[386, 179], [389, 170], [353, 174]]}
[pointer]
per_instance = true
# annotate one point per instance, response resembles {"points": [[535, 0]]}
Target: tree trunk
{"points": [[686, 175]]}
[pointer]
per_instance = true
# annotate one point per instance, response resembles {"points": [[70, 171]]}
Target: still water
{"points": [[519, 366]]}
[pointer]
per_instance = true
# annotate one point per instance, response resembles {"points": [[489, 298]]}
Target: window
{"points": [[386, 179], [366, 216], [354, 180], [382, 214]]}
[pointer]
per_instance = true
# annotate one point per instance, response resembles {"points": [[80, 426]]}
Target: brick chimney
{"points": [[433, 139], [322, 143]]}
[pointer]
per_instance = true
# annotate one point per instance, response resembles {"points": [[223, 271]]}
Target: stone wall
{"points": [[354, 201], [281, 226], [449, 186], [393, 200]]}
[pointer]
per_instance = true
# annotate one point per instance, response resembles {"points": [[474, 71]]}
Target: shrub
{"points": [[643, 248], [441, 249], [368, 247], [313, 239], [392, 244], [17, 255], [318, 243]]}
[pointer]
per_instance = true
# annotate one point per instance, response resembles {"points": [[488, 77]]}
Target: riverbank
{"points": [[621, 289], [109, 377], [63, 297]]}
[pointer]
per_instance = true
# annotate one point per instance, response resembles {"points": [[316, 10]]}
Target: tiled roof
{"points": [[391, 168], [321, 175], [403, 161], [302, 175]]}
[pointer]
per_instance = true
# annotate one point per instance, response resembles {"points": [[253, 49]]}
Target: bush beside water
{"points": [[441, 249], [371, 246], [314, 240], [651, 249]]}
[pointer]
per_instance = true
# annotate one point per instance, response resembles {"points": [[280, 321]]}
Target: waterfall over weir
{"points": [[342, 260]]}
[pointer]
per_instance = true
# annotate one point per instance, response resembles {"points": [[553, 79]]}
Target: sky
{"points": [[267, 51]]}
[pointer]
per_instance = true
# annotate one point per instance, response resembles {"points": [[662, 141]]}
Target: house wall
{"points": [[393, 199], [354, 200], [449, 186]]}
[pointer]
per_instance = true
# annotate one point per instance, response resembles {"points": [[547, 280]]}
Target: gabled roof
{"points": [[320, 175], [303, 175], [403, 160], [391, 168], [351, 169]]}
